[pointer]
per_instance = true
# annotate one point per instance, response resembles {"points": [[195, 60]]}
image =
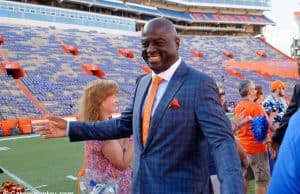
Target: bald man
{"points": [[187, 122]]}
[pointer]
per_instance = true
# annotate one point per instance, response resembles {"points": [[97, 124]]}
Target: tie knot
{"points": [[157, 80]]}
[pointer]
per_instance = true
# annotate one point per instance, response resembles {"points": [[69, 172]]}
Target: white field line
{"points": [[41, 186], [4, 148], [19, 137], [74, 178], [20, 181]]}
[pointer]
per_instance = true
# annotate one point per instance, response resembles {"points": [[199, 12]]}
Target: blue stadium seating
{"points": [[56, 79], [13, 103], [259, 4]]}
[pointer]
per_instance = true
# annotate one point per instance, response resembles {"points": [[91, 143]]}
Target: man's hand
{"points": [[246, 162], [51, 128], [273, 115], [274, 149]]}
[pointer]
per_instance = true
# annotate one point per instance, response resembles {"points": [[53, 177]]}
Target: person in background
{"points": [[259, 100], [222, 97], [275, 102], [240, 121], [257, 151], [279, 133], [259, 95], [110, 159], [286, 174]]}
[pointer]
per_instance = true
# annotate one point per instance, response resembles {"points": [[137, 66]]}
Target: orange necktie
{"points": [[148, 107]]}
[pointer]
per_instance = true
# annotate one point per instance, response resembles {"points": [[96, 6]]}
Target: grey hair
{"points": [[244, 87], [220, 85]]}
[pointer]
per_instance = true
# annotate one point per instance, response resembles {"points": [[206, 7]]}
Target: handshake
{"points": [[53, 127]]}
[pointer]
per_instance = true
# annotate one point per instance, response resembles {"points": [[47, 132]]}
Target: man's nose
{"points": [[151, 48]]}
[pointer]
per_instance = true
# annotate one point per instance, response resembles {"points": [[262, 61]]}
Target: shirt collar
{"points": [[167, 75]]}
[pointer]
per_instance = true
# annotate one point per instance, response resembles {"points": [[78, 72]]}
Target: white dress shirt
{"points": [[166, 76]]}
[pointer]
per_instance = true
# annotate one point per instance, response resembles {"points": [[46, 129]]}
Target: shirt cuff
{"points": [[68, 130]]}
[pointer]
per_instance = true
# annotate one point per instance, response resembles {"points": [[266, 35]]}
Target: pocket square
{"points": [[174, 103]]}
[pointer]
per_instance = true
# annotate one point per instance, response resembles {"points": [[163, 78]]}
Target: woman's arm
{"points": [[119, 157]]}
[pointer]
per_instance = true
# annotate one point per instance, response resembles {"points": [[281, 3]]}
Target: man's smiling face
{"points": [[159, 46]]}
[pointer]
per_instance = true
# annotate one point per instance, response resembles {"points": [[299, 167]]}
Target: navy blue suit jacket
{"points": [[175, 156]]}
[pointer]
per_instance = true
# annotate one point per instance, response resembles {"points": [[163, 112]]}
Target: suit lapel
{"points": [[140, 98], [172, 88]]}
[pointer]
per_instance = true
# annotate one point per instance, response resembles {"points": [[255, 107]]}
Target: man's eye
{"points": [[144, 44], [160, 43]]}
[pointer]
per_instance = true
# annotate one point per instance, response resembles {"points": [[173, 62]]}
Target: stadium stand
{"points": [[231, 18], [56, 79], [226, 3]]}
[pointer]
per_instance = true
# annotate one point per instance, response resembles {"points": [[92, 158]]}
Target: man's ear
{"points": [[177, 41]]}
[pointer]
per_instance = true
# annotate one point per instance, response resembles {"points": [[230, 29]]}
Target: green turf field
{"points": [[43, 164]]}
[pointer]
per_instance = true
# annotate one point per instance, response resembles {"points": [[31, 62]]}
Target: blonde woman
{"points": [[108, 159]]}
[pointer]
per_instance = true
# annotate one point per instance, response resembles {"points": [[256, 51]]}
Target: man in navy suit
{"points": [[187, 120]]}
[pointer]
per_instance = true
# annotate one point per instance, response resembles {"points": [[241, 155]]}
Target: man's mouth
{"points": [[153, 59]]}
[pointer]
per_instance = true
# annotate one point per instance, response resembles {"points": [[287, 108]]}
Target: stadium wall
{"points": [[14, 21], [59, 15]]}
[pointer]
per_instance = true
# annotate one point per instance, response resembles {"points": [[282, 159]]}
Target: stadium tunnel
{"points": [[228, 54], [70, 49], [13, 68], [197, 54], [261, 54], [92, 69], [235, 73], [126, 53], [1, 40], [146, 69]]}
